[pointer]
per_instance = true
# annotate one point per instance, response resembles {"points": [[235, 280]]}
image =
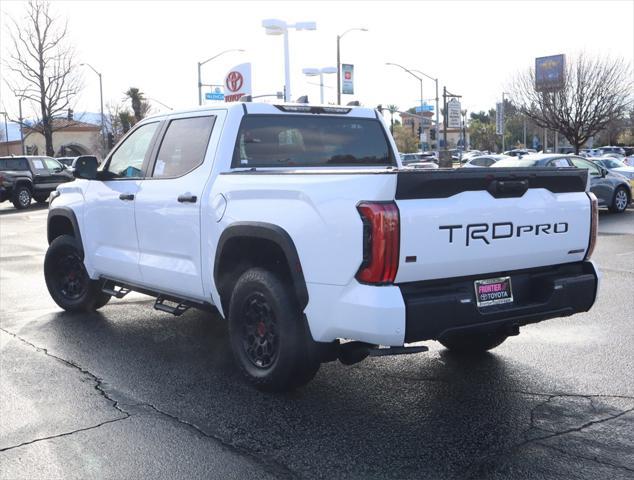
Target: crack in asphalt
{"points": [[582, 457], [279, 470], [65, 434], [537, 440]]}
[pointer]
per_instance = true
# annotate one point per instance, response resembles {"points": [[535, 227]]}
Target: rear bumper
{"points": [[435, 309]]}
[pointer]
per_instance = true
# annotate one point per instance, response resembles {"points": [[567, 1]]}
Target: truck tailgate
{"points": [[475, 221]]}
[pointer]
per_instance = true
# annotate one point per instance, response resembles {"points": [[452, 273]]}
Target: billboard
{"points": [[499, 118], [347, 79], [550, 73], [238, 82], [453, 113]]}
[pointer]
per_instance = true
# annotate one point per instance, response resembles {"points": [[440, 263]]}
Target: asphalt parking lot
{"points": [[131, 392]]}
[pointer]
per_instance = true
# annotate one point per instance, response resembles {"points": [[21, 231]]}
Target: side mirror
{"points": [[604, 172], [86, 167]]}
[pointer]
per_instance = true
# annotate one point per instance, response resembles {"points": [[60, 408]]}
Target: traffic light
{"points": [[110, 140], [420, 130], [432, 134]]}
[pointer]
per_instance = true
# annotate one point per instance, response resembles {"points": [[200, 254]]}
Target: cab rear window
{"points": [[7, 164], [310, 140]]}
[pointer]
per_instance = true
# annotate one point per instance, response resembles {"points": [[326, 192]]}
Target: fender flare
{"points": [[20, 180], [69, 214], [272, 233]]}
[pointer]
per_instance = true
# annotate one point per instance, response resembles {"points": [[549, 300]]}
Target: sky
{"points": [[474, 47]]}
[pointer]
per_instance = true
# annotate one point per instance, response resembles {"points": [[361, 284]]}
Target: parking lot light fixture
{"points": [[320, 72], [339, 37], [200, 64], [274, 26]]}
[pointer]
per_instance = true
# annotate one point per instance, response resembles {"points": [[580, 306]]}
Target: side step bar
{"points": [[165, 302], [176, 310], [111, 289]]}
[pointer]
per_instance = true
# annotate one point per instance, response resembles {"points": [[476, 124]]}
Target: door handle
{"points": [[186, 197], [126, 196]]}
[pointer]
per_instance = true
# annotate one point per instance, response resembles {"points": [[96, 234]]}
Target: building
{"points": [[71, 138], [454, 135]]}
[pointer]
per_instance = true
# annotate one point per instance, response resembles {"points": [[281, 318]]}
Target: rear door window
{"points": [[308, 141], [183, 147]]}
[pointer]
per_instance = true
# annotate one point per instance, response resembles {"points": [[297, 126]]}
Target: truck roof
{"points": [[278, 108]]}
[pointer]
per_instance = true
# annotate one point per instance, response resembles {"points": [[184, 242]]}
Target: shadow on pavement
{"points": [[436, 415]]}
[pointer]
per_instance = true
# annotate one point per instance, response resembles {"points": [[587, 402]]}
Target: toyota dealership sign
{"points": [[238, 82]]}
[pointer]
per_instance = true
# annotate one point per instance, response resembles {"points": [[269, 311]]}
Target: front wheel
{"points": [[39, 198], [67, 280], [473, 343], [620, 201], [269, 336]]}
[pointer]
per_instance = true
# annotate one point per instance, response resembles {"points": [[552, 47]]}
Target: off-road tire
{"points": [[620, 201], [39, 198], [21, 197], [269, 336], [473, 343], [67, 280]]}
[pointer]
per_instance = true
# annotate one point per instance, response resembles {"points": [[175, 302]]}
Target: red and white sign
{"points": [[238, 82]]}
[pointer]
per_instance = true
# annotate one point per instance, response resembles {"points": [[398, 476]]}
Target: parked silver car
{"points": [[611, 189], [484, 160]]}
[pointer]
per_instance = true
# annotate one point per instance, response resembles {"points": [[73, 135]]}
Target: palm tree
{"points": [[392, 109], [137, 98]]}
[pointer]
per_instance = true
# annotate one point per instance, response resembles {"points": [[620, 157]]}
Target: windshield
{"points": [[612, 163]]}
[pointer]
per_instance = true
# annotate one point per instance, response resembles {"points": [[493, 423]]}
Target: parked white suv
{"points": [[299, 225]]}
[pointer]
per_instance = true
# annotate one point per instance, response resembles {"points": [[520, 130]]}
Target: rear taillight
{"points": [[380, 242], [594, 223]]}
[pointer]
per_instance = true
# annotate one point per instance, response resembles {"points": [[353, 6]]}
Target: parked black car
{"points": [[611, 189], [24, 178]]}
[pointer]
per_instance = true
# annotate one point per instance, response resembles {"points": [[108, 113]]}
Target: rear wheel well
{"points": [[59, 225], [240, 254]]}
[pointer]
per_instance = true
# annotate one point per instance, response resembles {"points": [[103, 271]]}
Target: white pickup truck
{"points": [[300, 226]]}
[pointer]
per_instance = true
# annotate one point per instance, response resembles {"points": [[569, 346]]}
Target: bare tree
{"points": [[595, 91], [42, 66]]}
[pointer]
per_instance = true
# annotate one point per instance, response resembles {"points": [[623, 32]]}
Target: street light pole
{"points": [[274, 26], [421, 95], [200, 64], [103, 123], [339, 37], [313, 72], [287, 69]]}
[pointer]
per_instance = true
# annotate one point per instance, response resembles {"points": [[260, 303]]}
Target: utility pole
{"points": [[20, 119]]}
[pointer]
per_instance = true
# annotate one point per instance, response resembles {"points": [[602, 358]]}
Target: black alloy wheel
{"points": [[269, 335], [67, 279], [259, 332], [72, 279]]}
